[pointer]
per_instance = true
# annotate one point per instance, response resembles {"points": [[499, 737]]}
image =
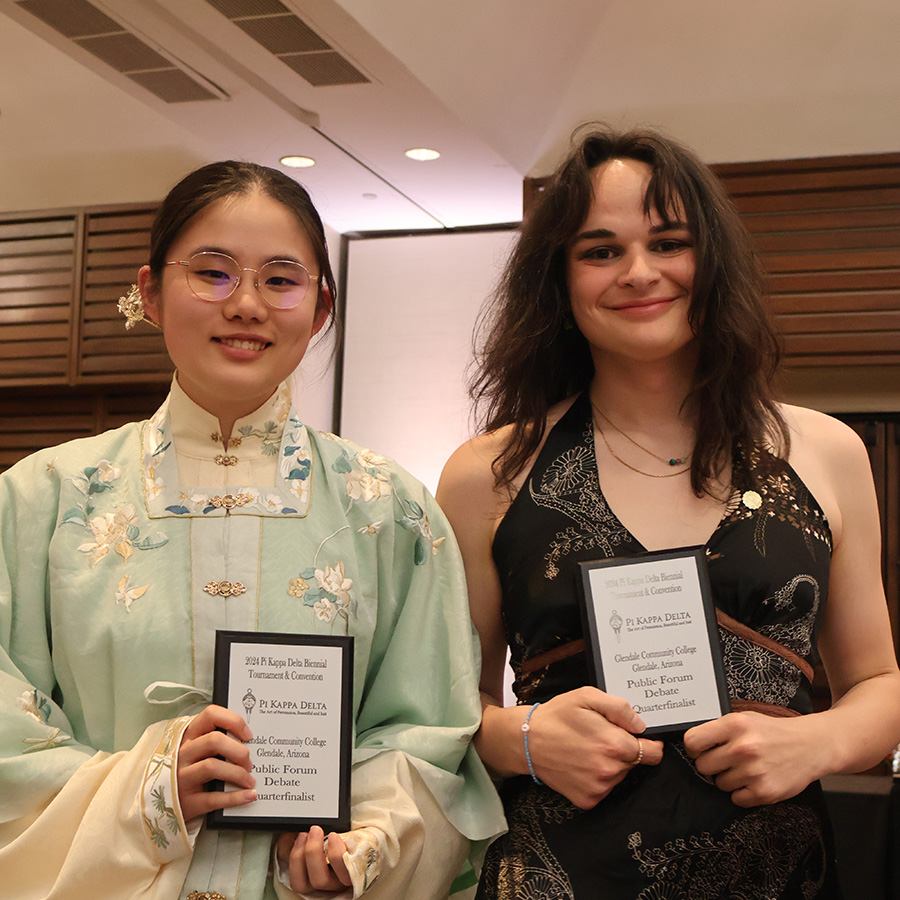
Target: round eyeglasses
{"points": [[214, 277]]}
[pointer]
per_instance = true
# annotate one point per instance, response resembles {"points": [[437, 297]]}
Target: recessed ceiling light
{"points": [[297, 162], [422, 154], [370, 196]]}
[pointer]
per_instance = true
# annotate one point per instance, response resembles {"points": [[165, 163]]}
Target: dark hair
{"points": [[533, 357], [209, 183]]}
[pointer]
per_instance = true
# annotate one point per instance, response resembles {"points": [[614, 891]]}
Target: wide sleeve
{"points": [[421, 796], [70, 814]]}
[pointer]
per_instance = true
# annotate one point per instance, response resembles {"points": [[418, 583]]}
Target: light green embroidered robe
{"points": [[107, 588]]}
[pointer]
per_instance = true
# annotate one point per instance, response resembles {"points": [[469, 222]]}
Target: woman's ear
{"points": [[324, 311], [149, 288]]}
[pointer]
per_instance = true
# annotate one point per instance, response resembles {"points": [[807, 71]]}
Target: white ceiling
{"points": [[495, 85]]}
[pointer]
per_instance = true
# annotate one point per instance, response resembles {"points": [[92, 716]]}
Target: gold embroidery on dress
{"points": [[756, 856], [525, 867], [569, 485]]}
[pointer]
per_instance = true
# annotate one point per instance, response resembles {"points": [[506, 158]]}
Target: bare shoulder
{"points": [[832, 461], [468, 476], [818, 434]]}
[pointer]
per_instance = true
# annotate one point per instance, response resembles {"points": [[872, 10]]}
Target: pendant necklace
{"points": [[674, 461]]}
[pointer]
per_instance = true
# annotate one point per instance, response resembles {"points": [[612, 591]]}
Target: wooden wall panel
{"points": [[31, 419], [116, 245], [828, 233], [38, 260]]}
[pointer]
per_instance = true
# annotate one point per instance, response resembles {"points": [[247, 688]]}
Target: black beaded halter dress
{"points": [[666, 832]]}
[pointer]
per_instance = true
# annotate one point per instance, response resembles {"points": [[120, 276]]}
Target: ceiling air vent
{"points": [[106, 39], [283, 34]]}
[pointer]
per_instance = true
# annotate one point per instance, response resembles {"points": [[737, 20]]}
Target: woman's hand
{"points": [[583, 743], [758, 759], [312, 864], [198, 762]]}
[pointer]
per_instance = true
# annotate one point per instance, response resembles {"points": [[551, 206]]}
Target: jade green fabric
{"points": [[104, 563]]}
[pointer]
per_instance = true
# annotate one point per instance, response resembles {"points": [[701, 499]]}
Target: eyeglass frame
{"points": [[241, 269]]}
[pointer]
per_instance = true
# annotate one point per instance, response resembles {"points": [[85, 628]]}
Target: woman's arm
{"points": [[763, 760], [58, 793], [582, 743]]}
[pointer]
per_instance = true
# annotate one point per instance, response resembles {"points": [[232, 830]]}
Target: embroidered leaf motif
{"points": [[311, 597], [301, 470], [125, 549], [288, 511], [342, 465], [420, 553], [152, 541], [132, 531], [178, 510], [74, 515], [157, 835], [159, 799]]}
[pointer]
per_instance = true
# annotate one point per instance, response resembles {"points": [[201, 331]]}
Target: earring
{"points": [[131, 305]]}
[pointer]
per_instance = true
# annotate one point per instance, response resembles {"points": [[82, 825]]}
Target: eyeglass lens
{"points": [[214, 277]]}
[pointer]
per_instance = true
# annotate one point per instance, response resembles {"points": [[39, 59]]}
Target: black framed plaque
{"points": [[295, 691], [651, 636]]}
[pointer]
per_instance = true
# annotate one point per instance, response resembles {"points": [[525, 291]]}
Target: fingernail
{"points": [[639, 722]]}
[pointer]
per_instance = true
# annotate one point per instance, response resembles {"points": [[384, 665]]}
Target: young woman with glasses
{"points": [[124, 553], [627, 380]]}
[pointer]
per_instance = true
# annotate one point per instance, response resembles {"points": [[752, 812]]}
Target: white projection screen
{"points": [[412, 304]]}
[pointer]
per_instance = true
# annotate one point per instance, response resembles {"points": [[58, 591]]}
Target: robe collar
{"points": [[271, 430]]}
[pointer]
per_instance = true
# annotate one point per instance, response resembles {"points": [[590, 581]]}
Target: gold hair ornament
{"points": [[131, 305]]}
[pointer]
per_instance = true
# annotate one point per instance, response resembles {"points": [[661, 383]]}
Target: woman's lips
{"points": [[243, 343]]}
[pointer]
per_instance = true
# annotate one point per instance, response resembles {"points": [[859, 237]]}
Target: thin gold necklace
{"points": [[674, 461], [627, 464]]}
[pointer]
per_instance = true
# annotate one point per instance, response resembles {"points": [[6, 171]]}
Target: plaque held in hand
{"points": [[651, 636], [295, 691]]}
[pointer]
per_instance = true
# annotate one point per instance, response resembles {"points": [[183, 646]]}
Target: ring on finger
{"points": [[325, 850], [640, 754]]}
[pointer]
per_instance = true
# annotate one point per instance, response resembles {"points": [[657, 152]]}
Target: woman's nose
{"points": [[246, 301], [640, 270]]}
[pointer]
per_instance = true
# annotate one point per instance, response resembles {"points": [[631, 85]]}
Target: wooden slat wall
{"points": [[68, 367], [117, 244], [38, 266], [828, 231], [61, 275], [31, 419]]}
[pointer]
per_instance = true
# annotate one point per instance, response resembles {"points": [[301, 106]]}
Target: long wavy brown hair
{"points": [[532, 356]]}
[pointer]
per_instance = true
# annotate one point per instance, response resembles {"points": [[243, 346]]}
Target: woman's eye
{"points": [[602, 254], [281, 282], [671, 245], [213, 276]]}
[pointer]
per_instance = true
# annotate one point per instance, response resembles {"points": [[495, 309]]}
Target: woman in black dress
{"points": [[627, 382]]}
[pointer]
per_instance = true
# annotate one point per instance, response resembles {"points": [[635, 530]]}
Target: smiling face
{"points": [[233, 354], [630, 274]]}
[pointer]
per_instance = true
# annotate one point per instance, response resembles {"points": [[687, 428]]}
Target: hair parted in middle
{"points": [[230, 178], [533, 356]]}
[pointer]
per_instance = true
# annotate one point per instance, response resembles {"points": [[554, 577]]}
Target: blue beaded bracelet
{"points": [[525, 729]]}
